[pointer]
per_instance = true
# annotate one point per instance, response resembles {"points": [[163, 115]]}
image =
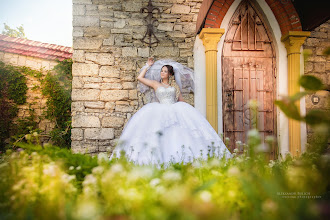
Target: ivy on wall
{"points": [[12, 93], [57, 88]]}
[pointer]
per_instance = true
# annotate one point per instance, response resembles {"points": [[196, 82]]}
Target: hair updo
{"points": [[170, 69], [172, 82]]}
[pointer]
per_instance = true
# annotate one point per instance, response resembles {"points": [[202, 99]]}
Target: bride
{"points": [[168, 130]]}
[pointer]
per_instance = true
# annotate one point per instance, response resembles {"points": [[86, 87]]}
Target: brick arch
{"points": [[284, 11]]}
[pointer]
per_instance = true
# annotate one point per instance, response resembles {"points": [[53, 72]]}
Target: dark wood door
{"points": [[248, 68]]}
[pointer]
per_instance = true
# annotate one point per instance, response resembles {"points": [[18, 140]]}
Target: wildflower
{"points": [[205, 196], [78, 168], [172, 176], [98, 170], [102, 157], [271, 163], [233, 171], [269, 206], [154, 182], [214, 162], [117, 168], [71, 168]]}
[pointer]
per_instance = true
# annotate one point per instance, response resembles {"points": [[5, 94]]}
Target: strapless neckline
{"points": [[163, 87]]}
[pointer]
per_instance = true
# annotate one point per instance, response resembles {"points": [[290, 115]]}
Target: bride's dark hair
{"points": [[170, 69]]}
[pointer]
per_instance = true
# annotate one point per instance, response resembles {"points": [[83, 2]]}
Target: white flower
{"points": [[154, 182], [214, 162], [102, 157], [98, 170], [205, 196], [90, 180], [78, 168], [271, 163], [196, 164], [172, 176], [71, 168], [233, 171], [116, 168]]}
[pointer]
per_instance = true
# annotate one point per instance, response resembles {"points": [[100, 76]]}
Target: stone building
{"points": [[38, 56], [239, 49]]}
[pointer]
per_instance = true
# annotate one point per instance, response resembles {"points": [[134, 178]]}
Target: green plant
{"points": [[12, 93], [57, 88], [18, 32]]}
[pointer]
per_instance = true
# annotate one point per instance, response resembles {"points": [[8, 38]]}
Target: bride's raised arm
{"points": [[148, 82]]}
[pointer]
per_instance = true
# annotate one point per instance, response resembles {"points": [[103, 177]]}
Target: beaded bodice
{"points": [[166, 95]]}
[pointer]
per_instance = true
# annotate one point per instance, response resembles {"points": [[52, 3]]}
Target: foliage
{"points": [[12, 93], [57, 87], [18, 32], [316, 118], [40, 182]]}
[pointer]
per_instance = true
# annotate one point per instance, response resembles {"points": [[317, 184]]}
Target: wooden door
{"points": [[248, 68]]}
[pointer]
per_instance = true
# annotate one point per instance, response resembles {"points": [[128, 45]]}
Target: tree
{"points": [[18, 32]]}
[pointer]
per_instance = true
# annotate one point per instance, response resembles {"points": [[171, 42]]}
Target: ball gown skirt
{"points": [[169, 131]]}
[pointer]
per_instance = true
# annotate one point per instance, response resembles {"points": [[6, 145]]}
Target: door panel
{"points": [[248, 64]]}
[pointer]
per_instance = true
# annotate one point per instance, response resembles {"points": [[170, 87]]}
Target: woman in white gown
{"points": [[168, 131]]}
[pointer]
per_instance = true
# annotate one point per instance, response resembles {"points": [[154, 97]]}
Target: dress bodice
{"points": [[166, 95]]}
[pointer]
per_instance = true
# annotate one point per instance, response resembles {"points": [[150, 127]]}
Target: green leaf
{"points": [[310, 82], [316, 116], [289, 108], [298, 96]]}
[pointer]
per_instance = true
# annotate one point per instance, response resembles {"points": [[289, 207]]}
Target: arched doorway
{"points": [[249, 72]]}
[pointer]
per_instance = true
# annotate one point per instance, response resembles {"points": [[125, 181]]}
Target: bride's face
{"points": [[164, 73]]}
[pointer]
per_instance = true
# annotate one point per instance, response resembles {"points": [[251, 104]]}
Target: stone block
{"points": [[85, 21], [133, 94], [83, 69], [101, 58], [109, 41], [119, 24], [319, 67], [129, 52], [124, 108], [111, 86], [113, 95], [166, 52], [129, 85], [85, 94], [99, 133], [110, 105], [165, 27], [77, 134], [87, 44], [91, 86], [85, 121], [189, 28], [132, 6], [97, 32], [84, 2], [112, 122], [97, 105], [78, 10], [78, 56], [143, 52], [77, 83], [77, 107], [180, 9], [109, 71]]}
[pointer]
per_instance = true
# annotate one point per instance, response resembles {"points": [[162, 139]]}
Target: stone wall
{"points": [[108, 54], [318, 65], [35, 100]]}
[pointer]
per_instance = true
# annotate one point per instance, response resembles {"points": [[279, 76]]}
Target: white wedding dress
{"points": [[169, 131]]}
